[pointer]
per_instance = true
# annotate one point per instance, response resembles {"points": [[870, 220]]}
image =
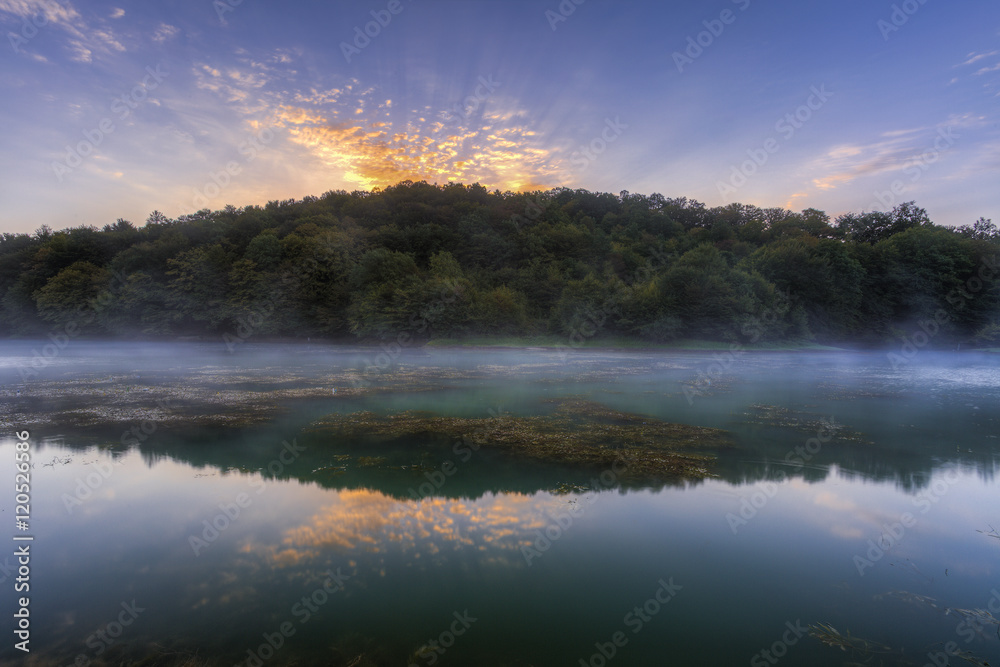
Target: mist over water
{"points": [[199, 484]]}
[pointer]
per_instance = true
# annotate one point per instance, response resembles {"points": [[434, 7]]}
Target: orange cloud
{"points": [[370, 154], [370, 521]]}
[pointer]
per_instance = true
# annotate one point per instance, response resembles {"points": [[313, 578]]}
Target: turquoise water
{"points": [[857, 495]]}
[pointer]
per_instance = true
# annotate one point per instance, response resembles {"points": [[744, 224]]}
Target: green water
{"points": [[857, 495]]}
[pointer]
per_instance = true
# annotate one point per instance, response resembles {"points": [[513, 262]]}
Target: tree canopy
{"points": [[422, 261]]}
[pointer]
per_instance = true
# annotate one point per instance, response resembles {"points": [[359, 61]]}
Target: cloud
{"points": [[843, 164], [361, 136], [974, 57], [84, 39], [164, 32], [791, 203], [896, 150], [831, 500], [369, 521], [53, 12], [117, 13], [371, 153]]}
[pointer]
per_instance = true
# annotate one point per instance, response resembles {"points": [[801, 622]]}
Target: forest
{"points": [[417, 262]]}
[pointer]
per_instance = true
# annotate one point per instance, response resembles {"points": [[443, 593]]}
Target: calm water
{"points": [[878, 525]]}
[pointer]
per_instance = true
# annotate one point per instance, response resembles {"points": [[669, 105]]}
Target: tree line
{"points": [[450, 261]]}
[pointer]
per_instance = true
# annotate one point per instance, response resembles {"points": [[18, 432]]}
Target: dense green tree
{"points": [[198, 285], [418, 260], [877, 226], [74, 297]]}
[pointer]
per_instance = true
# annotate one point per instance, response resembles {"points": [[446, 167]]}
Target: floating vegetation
{"points": [[840, 392], [830, 636], [330, 470], [565, 488], [977, 619], [200, 398], [972, 659], [578, 433], [371, 461], [806, 422], [911, 598], [60, 461], [993, 533]]}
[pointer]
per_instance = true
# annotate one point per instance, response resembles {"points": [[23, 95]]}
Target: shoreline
{"points": [[546, 343]]}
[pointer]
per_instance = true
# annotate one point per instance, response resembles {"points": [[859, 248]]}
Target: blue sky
{"points": [[116, 109]]}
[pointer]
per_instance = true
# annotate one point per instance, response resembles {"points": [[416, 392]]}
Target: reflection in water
{"points": [[370, 521], [408, 565], [884, 532]]}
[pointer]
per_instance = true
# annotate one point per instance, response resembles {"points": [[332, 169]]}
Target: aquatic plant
{"points": [[972, 659], [371, 461], [977, 619], [832, 637], [993, 533], [577, 433], [775, 416], [911, 598]]}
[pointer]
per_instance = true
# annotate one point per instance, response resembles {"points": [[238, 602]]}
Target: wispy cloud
{"points": [[976, 57], [360, 137], [371, 153], [894, 151], [164, 32], [84, 39]]}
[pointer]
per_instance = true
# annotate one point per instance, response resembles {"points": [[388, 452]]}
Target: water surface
{"points": [[182, 488]]}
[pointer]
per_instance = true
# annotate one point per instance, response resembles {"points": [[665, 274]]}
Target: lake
{"points": [[286, 504]]}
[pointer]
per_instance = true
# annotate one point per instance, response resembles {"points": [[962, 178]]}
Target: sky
{"points": [[116, 109]]}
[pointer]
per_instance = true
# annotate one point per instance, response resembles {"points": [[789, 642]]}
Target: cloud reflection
{"points": [[368, 521]]}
